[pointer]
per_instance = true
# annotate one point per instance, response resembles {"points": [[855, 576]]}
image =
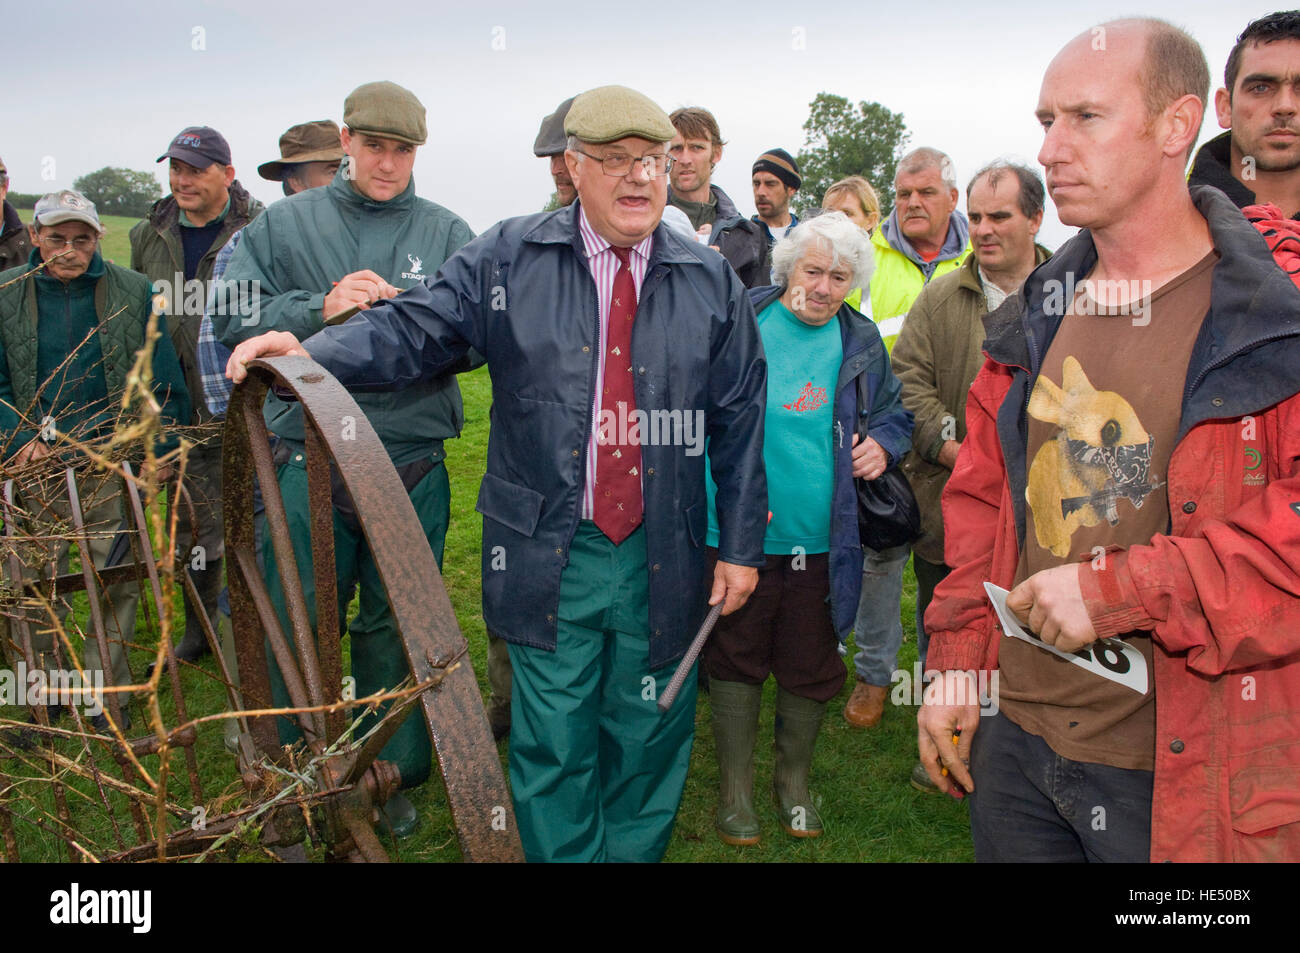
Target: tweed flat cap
{"points": [[387, 110], [607, 113], [550, 137]]}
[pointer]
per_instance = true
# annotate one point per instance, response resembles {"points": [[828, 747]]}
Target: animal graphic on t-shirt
{"points": [[810, 398], [1101, 454]]}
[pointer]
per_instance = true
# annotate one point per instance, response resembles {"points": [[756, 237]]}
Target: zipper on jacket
{"points": [[1219, 363]]}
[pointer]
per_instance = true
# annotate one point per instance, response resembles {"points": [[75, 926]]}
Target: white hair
{"points": [[833, 231]]}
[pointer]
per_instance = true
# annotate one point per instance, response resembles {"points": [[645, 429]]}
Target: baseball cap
{"points": [[200, 146], [66, 206]]}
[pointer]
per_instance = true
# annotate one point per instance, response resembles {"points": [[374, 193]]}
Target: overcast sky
{"points": [[128, 77]]}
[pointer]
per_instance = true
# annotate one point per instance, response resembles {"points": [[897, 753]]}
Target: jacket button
{"points": [[550, 618], [650, 472], [654, 568], [559, 551], [1189, 506], [1176, 746], [575, 453], [640, 370], [1217, 402], [586, 348]]}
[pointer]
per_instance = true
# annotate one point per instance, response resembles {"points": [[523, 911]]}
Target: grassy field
{"points": [[860, 778]]}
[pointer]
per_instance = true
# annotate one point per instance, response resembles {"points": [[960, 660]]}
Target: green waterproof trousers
{"points": [[596, 771], [378, 660]]}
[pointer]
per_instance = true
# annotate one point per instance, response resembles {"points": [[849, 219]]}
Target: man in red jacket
{"points": [[1131, 473]]}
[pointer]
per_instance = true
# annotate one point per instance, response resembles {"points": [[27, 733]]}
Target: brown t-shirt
{"points": [[1103, 418]]}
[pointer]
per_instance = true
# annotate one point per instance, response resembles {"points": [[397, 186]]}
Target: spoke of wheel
{"points": [[290, 578], [328, 628]]}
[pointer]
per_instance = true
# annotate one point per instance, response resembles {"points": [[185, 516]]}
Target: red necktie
{"points": [[618, 508]]}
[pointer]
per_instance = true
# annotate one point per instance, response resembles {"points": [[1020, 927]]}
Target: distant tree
{"points": [[842, 140], [120, 191], [552, 203], [22, 199]]}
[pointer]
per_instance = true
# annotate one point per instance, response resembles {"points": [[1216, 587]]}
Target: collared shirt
{"points": [[186, 223], [604, 266], [993, 295], [212, 354]]}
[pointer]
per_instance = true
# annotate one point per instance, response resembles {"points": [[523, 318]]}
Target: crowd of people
{"points": [[1107, 438]]}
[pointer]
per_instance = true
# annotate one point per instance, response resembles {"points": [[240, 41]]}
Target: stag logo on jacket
{"points": [[417, 264], [1100, 455], [810, 398]]}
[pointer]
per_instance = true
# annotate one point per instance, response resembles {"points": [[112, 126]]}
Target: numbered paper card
{"points": [[1109, 658]]}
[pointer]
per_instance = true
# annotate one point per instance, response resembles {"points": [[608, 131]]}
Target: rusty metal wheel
{"points": [[450, 704]]}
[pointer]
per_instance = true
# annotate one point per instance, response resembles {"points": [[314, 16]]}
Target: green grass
{"points": [[860, 777]]}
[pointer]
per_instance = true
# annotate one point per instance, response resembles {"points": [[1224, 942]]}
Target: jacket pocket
{"points": [[511, 505], [697, 523]]}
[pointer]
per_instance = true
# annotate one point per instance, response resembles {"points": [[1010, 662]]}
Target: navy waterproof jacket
{"points": [[868, 402], [523, 297]]}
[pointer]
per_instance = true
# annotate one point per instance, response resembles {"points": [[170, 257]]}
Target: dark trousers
{"points": [[785, 629], [1032, 805], [928, 575]]}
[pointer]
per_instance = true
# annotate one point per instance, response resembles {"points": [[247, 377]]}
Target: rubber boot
{"points": [[735, 728], [797, 723]]}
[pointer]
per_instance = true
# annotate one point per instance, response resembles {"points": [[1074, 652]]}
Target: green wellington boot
{"points": [[797, 723], [735, 728]]}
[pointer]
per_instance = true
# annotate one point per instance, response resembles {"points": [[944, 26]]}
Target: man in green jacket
{"points": [[361, 239], [938, 354], [69, 334], [175, 247]]}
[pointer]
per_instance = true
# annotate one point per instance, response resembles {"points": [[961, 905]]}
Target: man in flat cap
{"points": [[175, 247], [600, 326], [775, 179], [550, 144], [315, 255]]}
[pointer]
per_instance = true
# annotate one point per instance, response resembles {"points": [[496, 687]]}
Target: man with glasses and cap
{"points": [[14, 247], [315, 255], [174, 246], [591, 317], [69, 333]]}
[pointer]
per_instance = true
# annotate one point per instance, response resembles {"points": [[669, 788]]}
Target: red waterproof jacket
{"points": [[1219, 592]]}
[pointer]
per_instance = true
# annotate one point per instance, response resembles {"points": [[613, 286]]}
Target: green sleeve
{"points": [[274, 308]]}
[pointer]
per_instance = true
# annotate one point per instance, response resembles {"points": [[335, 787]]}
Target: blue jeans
{"points": [[1032, 805], [878, 629]]}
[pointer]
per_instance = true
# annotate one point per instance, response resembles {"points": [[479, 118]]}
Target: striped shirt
{"points": [[604, 265]]}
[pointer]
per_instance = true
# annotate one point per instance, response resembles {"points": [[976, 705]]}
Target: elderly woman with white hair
{"points": [[834, 412]]}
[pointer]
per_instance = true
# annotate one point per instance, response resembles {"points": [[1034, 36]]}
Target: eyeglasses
{"points": [[4, 177], [619, 164], [58, 242]]}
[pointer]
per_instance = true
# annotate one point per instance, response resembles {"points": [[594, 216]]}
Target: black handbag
{"points": [[887, 512]]}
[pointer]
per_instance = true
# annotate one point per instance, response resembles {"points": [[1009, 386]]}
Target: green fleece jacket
{"points": [[301, 246], [66, 351]]}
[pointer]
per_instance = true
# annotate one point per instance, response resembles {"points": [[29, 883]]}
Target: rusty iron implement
{"points": [[449, 702]]}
